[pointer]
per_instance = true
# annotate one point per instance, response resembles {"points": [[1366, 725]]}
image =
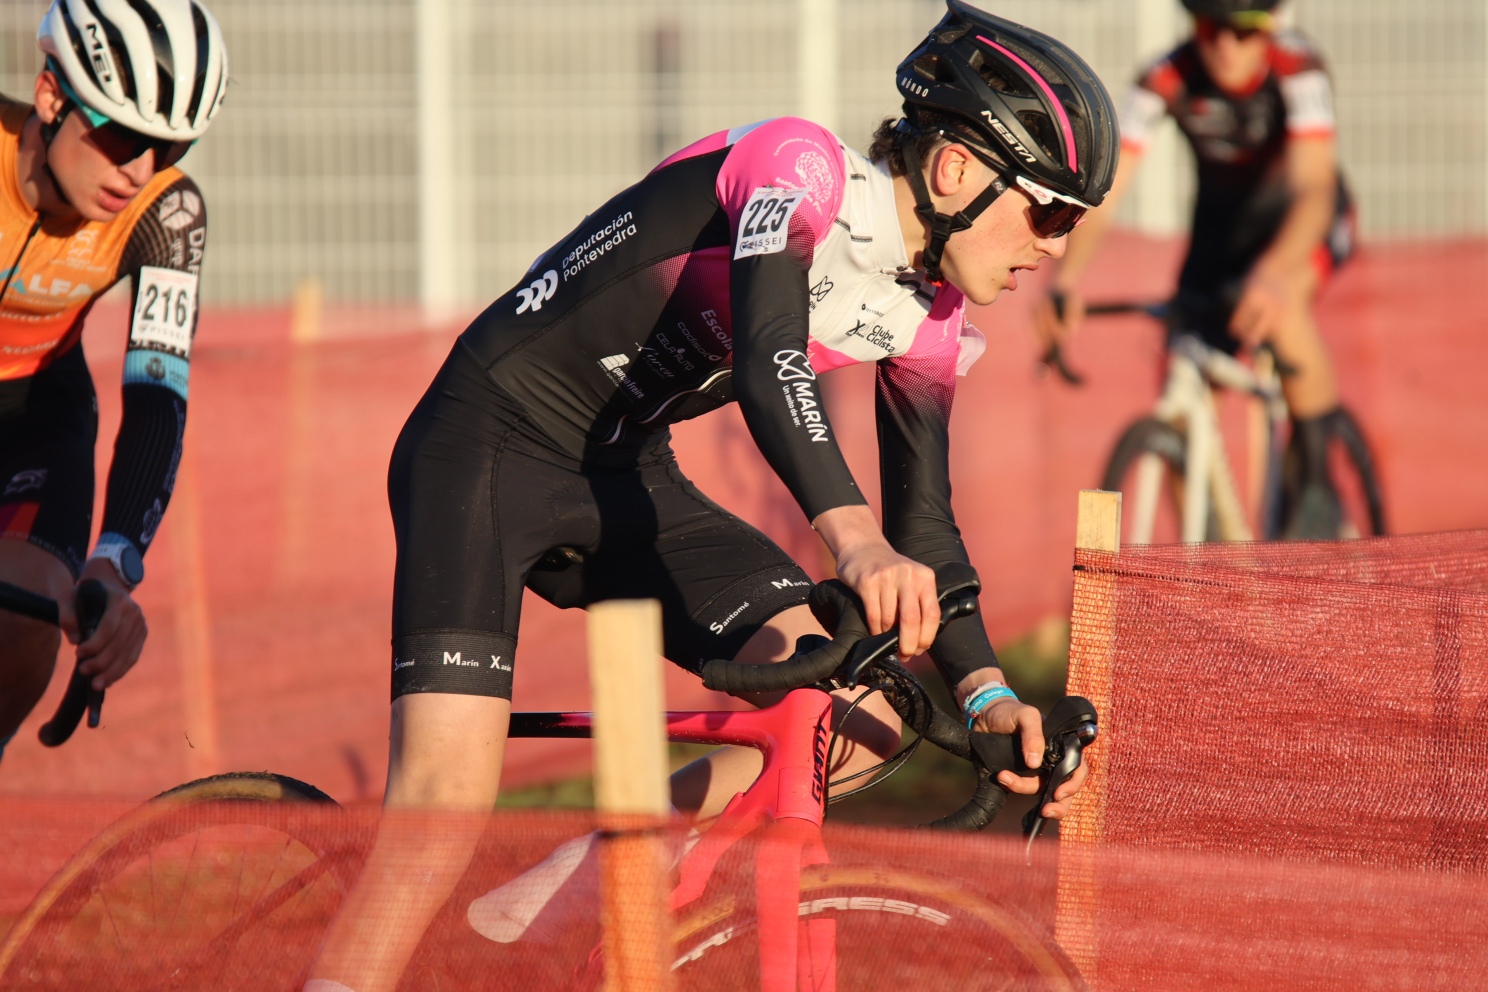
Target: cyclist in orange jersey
{"points": [[89, 195]]}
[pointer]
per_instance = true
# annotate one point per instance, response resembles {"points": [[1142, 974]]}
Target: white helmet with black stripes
{"points": [[158, 67]]}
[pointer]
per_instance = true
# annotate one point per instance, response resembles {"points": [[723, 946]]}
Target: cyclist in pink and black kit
{"points": [[740, 269]]}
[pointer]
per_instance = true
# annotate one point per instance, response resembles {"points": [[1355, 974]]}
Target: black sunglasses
{"points": [[1054, 219], [1208, 29], [121, 146]]}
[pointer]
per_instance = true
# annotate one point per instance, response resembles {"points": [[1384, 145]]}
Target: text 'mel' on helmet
{"points": [[158, 67]]}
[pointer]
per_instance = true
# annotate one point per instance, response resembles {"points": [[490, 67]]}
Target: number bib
{"points": [[164, 310], [764, 226]]}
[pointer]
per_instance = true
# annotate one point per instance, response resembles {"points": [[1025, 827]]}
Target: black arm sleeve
{"points": [[170, 235], [914, 414], [776, 388]]}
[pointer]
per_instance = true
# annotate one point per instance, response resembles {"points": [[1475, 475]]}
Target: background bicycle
{"points": [[1158, 457]]}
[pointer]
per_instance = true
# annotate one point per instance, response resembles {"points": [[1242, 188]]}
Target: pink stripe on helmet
{"points": [[1069, 132]]}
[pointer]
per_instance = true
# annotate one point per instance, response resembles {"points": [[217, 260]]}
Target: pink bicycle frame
{"points": [[788, 801]]}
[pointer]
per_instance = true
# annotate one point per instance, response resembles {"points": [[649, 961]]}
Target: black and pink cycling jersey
{"points": [[740, 268]]}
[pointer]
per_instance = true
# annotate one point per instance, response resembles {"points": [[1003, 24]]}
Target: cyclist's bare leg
{"points": [[703, 788], [445, 755], [30, 652], [1313, 391]]}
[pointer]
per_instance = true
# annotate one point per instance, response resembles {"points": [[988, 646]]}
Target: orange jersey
{"points": [[53, 270]]}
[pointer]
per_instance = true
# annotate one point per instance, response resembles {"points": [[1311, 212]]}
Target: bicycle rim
{"points": [[894, 930], [193, 889], [1147, 467], [1352, 464]]}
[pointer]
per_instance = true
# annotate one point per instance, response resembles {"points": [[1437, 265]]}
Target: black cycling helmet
{"points": [[1224, 10], [1028, 97], [1025, 102]]}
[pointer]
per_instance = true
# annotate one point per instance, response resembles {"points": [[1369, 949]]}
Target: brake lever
{"points": [[1070, 728]]}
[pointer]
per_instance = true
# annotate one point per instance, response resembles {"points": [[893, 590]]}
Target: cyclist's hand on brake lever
{"points": [[116, 645], [1007, 716], [896, 591], [1269, 294]]}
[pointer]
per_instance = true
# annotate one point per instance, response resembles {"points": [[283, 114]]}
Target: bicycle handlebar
{"points": [[92, 600], [851, 653], [26, 603], [837, 608]]}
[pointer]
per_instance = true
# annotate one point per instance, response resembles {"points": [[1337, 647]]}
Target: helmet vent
{"points": [[1000, 82], [1042, 130], [203, 53], [935, 69]]}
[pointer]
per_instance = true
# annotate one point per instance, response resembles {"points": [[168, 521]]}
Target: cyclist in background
{"points": [[89, 195], [1272, 217], [740, 268]]}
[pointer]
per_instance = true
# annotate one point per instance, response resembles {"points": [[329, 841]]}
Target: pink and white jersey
{"points": [[740, 268]]}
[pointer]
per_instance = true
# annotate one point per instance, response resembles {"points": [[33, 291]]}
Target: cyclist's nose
{"points": [[1053, 247], [141, 170]]}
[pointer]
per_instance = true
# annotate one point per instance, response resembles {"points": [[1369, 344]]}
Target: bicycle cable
{"points": [[904, 681]]}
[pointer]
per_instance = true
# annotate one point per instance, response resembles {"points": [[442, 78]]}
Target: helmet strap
{"points": [[942, 226], [49, 130], [48, 135]]}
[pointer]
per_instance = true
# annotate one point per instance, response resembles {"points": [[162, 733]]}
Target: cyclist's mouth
{"points": [[113, 202], [1012, 283]]}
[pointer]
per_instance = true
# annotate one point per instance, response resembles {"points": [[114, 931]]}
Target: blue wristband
{"points": [[982, 698]]}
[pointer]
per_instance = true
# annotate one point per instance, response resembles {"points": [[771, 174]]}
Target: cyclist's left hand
{"points": [[1269, 293], [1008, 716], [116, 645]]}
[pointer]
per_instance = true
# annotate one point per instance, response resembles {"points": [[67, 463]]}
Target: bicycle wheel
{"points": [[895, 930], [1351, 467], [201, 887], [1147, 467]]}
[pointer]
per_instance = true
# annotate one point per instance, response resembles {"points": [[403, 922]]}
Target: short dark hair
{"points": [[932, 131]]}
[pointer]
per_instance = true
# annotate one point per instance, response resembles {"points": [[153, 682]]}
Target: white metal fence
{"points": [[315, 166]]}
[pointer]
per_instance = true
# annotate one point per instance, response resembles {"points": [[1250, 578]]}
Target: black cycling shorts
{"points": [[484, 504], [1231, 230], [48, 426]]}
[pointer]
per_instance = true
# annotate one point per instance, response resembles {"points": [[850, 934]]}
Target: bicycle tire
{"points": [[154, 937], [1360, 491], [1150, 436], [895, 930]]}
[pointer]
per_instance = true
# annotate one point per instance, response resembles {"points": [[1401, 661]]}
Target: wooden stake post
{"points": [[631, 793], [1092, 651]]}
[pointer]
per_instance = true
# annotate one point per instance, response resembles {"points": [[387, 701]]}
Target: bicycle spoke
{"points": [[190, 860], [220, 945]]}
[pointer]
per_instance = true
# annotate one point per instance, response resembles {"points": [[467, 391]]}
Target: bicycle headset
{"points": [[148, 75], [1025, 104]]}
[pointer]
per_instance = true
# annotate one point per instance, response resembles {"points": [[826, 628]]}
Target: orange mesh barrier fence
{"points": [[1291, 778], [237, 896], [268, 588]]}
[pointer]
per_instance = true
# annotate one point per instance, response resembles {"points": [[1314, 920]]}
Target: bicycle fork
{"points": [[1187, 398]]}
